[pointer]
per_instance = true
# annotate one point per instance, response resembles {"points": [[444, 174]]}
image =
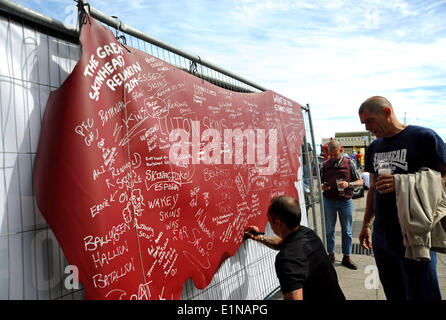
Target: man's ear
{"points": [[388, 112], [277, 223]]}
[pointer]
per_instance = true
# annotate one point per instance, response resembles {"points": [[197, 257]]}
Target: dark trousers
{"points": [[404, 279]]}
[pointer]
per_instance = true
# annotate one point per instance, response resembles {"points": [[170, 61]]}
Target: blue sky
{"points": [[332, 54]]}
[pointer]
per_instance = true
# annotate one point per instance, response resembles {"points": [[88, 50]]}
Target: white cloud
{"points": [[372, 19]]}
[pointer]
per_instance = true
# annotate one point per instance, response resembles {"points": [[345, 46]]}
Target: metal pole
{"points": [[318, 175], [310, 180]]}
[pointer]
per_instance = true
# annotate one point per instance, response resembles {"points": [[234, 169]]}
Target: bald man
{"points": [[302, 266], [338, 200], [407, 148]]}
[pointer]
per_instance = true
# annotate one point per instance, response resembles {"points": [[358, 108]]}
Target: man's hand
{"points": [[365, 237], [325, 186], [253, 229], [343, 184], [272, 242], [385, 183]]}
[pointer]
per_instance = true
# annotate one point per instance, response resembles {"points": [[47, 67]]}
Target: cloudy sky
{"points": [[331, 54]]}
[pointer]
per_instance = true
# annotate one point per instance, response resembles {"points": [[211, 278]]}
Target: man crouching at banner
{"points": [[302, 266]]}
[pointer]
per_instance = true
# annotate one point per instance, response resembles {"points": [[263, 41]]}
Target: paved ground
{"points": [[363, 284]]}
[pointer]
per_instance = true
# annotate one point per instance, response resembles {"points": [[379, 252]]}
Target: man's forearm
{"points": [[369, 213], [356, 184], [294, 295], [271, 242]]}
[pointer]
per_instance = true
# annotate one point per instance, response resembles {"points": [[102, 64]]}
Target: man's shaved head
{"points": [[375, 104], [334, 144]]}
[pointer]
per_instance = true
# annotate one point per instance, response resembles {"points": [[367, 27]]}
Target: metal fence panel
{"points": [[33, 63]]}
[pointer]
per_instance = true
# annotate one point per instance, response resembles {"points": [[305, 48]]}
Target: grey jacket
{"points": [[421, 202]]}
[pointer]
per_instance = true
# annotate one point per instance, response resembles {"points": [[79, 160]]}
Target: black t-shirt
{"points": [[303, 263]]}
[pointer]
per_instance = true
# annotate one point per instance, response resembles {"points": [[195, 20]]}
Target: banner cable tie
{"points": [[121, 38]]}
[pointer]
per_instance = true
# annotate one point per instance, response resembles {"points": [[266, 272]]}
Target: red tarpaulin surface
{"points": [[148, 175]]}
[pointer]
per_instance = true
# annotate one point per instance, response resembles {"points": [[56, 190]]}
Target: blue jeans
{"points": [[403, 279], [345, 210]]}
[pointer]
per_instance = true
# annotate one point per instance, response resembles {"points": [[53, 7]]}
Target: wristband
{"points": [[350, 185], [367, 225]]}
